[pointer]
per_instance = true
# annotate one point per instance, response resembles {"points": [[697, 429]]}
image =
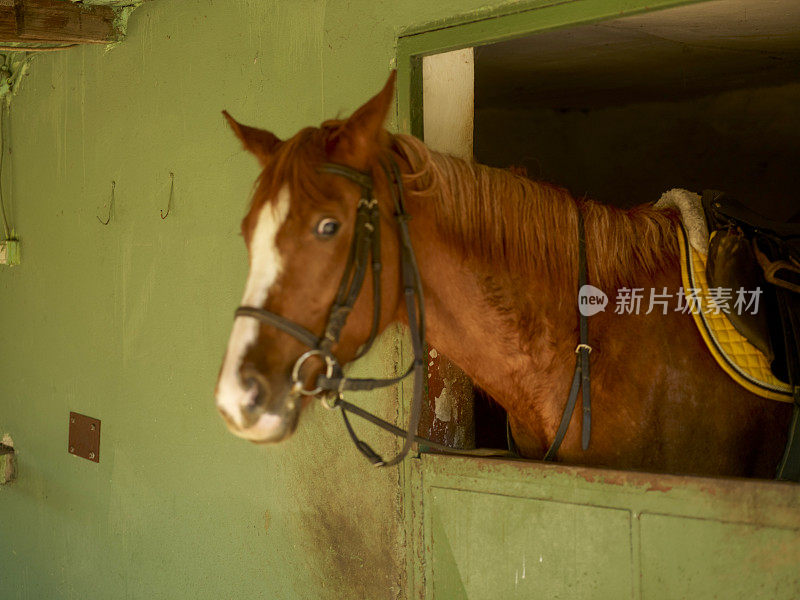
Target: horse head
{"points": [[298, 232]]}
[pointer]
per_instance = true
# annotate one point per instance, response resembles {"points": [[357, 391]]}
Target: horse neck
{"points": [[498, 256]]}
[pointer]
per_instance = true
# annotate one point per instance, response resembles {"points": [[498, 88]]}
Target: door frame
{"points": [[489, 27]]}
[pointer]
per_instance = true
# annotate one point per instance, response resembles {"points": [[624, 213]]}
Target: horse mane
{"points": [[502, 217]]}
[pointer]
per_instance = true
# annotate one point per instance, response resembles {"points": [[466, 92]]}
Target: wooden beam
{"points": [[55, 21], [8, 20]]}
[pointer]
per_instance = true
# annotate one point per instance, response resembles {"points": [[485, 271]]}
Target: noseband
{"points": [[365, 244]]}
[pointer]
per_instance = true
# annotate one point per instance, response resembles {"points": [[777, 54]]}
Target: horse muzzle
{"points": [[259, 414]]}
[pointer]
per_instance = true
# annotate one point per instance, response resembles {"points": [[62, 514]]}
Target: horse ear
{"points": [[260, 142], [363, 133]]}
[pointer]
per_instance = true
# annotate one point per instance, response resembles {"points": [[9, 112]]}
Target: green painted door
{"points": [[491, 529]]}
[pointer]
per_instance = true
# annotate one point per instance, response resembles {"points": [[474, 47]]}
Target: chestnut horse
{"points": [[498, 261]]}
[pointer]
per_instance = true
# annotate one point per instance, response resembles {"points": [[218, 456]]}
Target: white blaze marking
{"points": [[265, 266]]}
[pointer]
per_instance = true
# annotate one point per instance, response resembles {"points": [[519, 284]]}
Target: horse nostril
{"points": [[252, 410], [258, 396]]}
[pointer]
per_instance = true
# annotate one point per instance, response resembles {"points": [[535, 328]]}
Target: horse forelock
{"points": [[295, 165], [504, 218]]}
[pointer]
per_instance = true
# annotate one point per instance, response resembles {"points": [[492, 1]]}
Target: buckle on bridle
{"points": [[330, 399], [297, 385]]}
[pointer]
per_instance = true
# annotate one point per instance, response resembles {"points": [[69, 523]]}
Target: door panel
{"points": [[491, 546], [699, 558], [489, 528]]}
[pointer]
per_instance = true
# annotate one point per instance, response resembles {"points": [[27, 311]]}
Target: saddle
{"points": [[748, 251]]}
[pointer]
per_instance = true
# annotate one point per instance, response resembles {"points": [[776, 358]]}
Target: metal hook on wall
{"points": [[110, 205], [164, 215]]}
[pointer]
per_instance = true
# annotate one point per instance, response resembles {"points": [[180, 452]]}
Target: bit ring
{"points": [[297, 385]]}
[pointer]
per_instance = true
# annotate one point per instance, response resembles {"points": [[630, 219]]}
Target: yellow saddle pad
{"points": [[738, 357]]}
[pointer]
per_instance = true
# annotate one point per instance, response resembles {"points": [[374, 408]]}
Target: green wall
{"points": [[128, 322]]}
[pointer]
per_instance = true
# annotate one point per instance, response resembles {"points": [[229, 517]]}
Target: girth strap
{"points": [[581, 379]]}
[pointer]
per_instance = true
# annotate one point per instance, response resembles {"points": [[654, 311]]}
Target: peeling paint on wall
{"points": [[121, 15], [14, 69], [8, 461], [444, 402]]}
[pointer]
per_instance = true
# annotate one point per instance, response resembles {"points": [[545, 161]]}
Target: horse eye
{"points": [[327, 228]]}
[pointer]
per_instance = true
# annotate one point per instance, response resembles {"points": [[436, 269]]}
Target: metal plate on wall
{"points": [[84, 436]]}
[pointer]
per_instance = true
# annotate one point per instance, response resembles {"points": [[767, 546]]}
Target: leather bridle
{"points": [[365, 245]]}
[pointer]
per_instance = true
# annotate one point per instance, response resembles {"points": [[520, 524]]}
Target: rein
{"points": [[365, 246]]}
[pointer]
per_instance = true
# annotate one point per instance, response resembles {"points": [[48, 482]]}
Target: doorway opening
{"points": [[702, 96]]}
